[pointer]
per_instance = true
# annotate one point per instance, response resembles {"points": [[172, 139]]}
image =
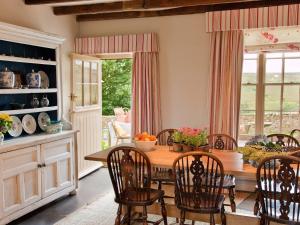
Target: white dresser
{"points": [[36, 170]]}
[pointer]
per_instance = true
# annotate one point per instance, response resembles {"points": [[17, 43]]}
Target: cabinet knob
{"points": [[39, 165]]}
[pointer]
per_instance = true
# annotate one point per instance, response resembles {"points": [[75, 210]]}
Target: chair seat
{"points": [[204, 205], [163, 175], [140, 197]]}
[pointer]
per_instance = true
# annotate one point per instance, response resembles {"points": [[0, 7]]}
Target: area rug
{"points": [[103, 212]]}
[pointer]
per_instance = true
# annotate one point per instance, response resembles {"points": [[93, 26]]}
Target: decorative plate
{"points": [[16, 127], [44, 79], [43, 120], [29, 124]]}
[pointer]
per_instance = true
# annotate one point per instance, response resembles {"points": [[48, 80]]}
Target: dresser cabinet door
{"points": [[20, 178], [58, 171]]}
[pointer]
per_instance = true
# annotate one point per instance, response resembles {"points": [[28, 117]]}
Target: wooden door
{"points": [[87, 108], [58, 172], [20, 177]]}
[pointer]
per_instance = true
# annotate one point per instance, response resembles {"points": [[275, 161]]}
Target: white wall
{"points": [[184, 63], [42, 18]]}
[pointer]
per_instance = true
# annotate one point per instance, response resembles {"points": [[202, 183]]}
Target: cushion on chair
{"points": [[120, 132]]}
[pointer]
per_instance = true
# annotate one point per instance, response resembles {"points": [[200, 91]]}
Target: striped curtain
{"points": [[146, 114], [239, 19], [146, 93], [225, 70]]}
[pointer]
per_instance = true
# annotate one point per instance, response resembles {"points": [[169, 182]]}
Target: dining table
{"points": [[164, 156]]}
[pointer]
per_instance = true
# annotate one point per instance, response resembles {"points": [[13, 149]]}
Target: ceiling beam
{"points": [[99, 7], [40, 2], [182, 10]]}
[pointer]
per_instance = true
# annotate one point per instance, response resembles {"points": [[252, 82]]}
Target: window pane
{"points": [[292, 71], [251, 56], [274, 55], [292, 54], [273, 71], [87, 83], [249, 71], [248, 98], [247, 114], [78, 81], [291, 98], [271, 122], [94, 85], [290, 121], [272, 97]]}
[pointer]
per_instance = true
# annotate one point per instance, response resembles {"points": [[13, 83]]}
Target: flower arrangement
{"points": [[254, 154], [190, 138], [5, 125]]}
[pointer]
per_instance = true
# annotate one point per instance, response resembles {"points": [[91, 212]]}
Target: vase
{"points": [[177, 147], [187, 148], [34, 102], [1, 138], [202, 148], [44, 101]]}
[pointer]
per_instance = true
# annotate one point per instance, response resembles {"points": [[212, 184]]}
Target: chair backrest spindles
{"points": [[198, 180], [128, 168], [222, 142], [165, 137], [278, 188], [284, 140]]}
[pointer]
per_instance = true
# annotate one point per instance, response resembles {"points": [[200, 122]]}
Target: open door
{"points": [[86, 108]]}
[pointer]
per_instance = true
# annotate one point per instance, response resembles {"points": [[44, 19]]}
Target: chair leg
{"points": [[256, 206], [118, 218], [231, 198], [212, 219], [163, 211], [182, 217], [128, 215], [223, 217], [144, 216], [159, 185]]}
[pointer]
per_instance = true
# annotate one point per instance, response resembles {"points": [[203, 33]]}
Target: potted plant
{"points": [[177, 141], [191, 138], [5, 125]]}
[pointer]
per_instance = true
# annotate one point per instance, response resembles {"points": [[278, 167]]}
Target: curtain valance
{"points": [[147, 42], [275, 16]]}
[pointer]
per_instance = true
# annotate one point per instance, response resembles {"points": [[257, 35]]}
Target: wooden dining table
{"points": [[164, 156]]}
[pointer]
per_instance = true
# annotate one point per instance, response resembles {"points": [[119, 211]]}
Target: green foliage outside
{"points": [[116, 86]]}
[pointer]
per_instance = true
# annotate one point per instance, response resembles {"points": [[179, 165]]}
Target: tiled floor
{"points": [[90, 188]]}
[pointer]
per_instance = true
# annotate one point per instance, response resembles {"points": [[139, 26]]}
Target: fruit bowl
{"points": [[145, 145]]}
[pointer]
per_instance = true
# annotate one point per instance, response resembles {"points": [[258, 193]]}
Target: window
{"points": [[270, 94]]}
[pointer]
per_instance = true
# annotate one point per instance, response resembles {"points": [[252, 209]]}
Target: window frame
{"points": [[261, 89]]}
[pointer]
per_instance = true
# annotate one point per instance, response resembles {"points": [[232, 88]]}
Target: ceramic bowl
{"points": [[54, 128], [145, 145]]}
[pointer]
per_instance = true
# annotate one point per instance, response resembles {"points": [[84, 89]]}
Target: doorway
{"points": [[116, 99]]}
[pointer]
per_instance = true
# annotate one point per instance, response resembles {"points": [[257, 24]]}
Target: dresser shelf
{"points": [[33, 110], [27, 60], [27, 91]]}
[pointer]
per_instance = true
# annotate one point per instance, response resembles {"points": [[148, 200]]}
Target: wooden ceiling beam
{"points": [[99, 7], [182, 10], [40, 2]]}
